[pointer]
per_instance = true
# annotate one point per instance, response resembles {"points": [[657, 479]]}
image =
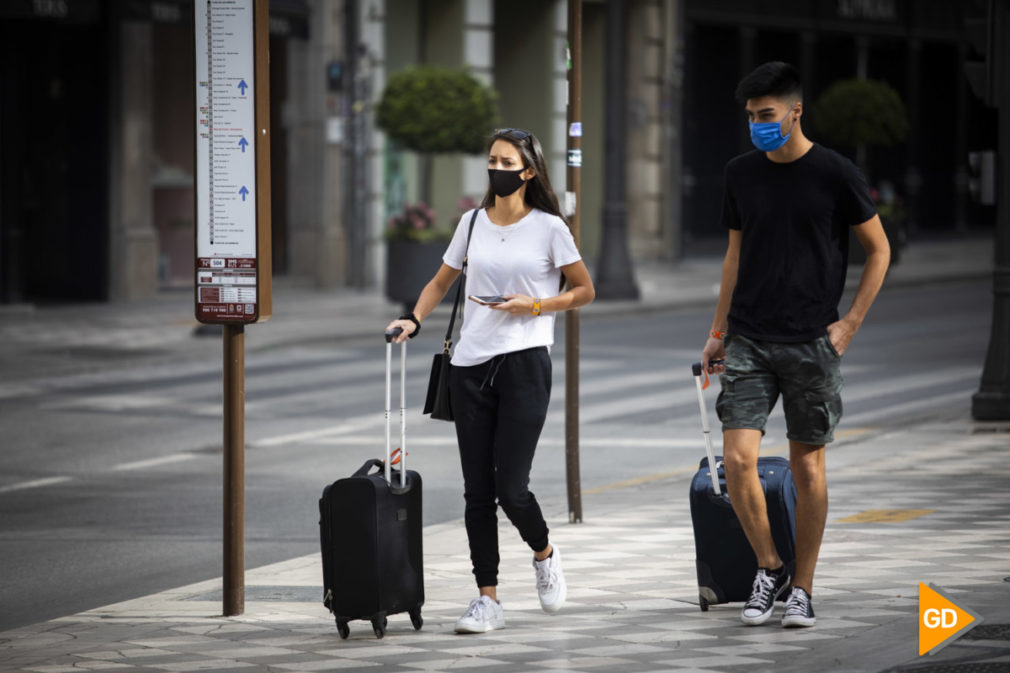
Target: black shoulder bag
{"points": [[437, 401]]}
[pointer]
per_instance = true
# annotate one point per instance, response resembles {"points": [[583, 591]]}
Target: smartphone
{"points": [[488, 299]]}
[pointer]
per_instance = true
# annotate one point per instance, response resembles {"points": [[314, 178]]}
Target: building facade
{"points": [[96, 123]]}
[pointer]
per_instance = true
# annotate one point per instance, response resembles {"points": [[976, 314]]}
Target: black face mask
{"points": [[504, 183]]}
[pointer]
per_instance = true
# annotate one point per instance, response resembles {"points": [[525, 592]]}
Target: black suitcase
{"points": [[370, 531], [725, 562]]}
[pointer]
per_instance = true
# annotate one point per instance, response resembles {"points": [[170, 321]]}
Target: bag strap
{"points": [[459, 285]]}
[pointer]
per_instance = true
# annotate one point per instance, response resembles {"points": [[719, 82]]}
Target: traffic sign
{"points": [[233, 269]]}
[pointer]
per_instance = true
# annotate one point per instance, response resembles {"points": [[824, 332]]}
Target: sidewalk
{"points": [[630, 566], [632, 602], [54, 341]]}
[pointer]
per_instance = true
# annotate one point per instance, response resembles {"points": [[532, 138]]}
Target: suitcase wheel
{"points": [[343, 629], [416, 620], [703, 603], [379, 627]]}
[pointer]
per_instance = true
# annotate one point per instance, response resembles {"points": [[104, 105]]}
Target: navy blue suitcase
{"points": [[370, 533], [725, 562]]}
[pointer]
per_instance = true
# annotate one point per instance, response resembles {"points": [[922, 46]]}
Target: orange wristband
{"points": [[717, 334], [536, 307]]}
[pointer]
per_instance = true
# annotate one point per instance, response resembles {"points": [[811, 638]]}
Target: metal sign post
{"points": [[572, 208], [233, 262]]}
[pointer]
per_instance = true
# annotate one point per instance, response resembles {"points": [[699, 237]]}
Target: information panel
{"points": [[227, 257]]}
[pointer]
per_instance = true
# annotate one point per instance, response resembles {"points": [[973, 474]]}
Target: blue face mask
{"points": [[767, 136]]}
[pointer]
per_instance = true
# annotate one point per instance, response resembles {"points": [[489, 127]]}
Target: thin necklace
{"points": [[503, 234]]}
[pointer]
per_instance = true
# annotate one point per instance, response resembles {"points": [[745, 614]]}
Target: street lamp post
{"points": [[574, 187], [614, 279], [992, 401]]}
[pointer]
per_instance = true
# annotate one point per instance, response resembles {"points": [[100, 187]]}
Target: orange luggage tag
{"points": [[705, 381]]}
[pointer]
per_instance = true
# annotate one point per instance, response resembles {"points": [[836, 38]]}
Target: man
{"points": [[788, 207]]}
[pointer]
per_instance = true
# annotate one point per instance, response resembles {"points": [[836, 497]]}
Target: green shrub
{"points": [[855, 112], [434, 110]]}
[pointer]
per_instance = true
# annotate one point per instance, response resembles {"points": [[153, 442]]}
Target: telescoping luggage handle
{"points": [[390, 335], [713, 469]]}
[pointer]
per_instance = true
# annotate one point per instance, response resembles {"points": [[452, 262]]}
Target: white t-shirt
{"points": [[521, 258]]}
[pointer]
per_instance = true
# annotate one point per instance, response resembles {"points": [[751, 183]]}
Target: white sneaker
{"points": [[551, 582], [482, 616]]}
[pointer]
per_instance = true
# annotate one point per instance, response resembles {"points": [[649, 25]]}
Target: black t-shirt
{"points": [[795, 219]]}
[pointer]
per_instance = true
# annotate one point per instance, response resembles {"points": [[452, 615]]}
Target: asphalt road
{"points": [[110, 483]]}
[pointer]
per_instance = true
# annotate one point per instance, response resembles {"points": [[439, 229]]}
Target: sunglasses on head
{"points": [[516, 134]]}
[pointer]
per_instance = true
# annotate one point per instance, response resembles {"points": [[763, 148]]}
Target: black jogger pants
{"points": [[500, 407]]}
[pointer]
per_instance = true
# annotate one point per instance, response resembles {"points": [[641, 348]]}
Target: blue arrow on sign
{"points": [[243, 86], [244, 192], [242, 143]]}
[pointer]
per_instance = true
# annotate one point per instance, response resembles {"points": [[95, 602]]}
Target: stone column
{"points": [[373, 52], [671, 121], [316, 137], [478, 57], [644, 128], [133, 254]]}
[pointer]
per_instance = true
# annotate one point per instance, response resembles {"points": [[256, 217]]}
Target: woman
{"points": [[500, 379]]}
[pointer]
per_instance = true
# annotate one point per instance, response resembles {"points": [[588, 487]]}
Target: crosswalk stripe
{"points": [[668, 397], [173, 377], [329, 431], [311, 377], [880, 387], [922, 405], [35, 483], [154, 462], [112, 402], [15, 390], [450, 440], [635, 404]]}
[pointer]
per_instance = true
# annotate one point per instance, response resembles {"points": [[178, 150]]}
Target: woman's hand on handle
{"points": [[407, 326], [431, 295]]}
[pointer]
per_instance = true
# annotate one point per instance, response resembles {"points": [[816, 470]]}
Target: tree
{"points": [[435, 110], [861, 113]]}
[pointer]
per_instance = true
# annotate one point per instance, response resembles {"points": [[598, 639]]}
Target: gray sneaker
{"points": [[481, 616]]}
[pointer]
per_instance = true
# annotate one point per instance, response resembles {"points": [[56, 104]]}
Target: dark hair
{"points": [[539, 192], [774, 78]]}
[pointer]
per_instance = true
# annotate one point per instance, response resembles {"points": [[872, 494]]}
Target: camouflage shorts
{"points": [[806, 374]]}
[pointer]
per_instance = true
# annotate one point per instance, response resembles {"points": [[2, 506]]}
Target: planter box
{"points": [[409, 267]]}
